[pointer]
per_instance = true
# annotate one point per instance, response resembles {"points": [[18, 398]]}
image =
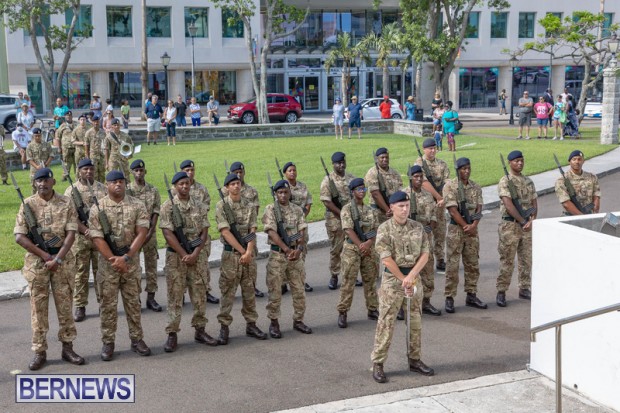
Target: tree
{"points": [[31, 15], [276, 13], [390, 41], [144, 61], [346, 54]]}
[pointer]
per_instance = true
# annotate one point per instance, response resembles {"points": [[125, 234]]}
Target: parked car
{"points": [[280, 107], [8, 117], [593, 109], [371, 108]]}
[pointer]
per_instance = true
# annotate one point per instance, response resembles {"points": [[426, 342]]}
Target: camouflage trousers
{"points": [[352, 264], [85, 254], [460, 245], [178, 277], [39, 281], [205, 253], [391, 298], [110, 283], [232, 275], [150, 264], [3, 173], [68, 157], [428, 273], [80, 153], [99, 164], [513, 240], [119, 163], [279, 268], [336, 240], [439, 235]]}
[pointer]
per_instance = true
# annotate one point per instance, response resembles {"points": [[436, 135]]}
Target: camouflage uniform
{"points": [[232, 272], [178, 274], [64, 134], [393, 183], [441, 172], [332, 223], [405, 244], [94, 140], [300, 196], [83, 248], [124, 218], [55, 217], [3, 173], [586, 188], [79, 135], [279, 267], [116, 161], [458, 244], [425, 205], [38, 153], [353, 262], [149, 195]]}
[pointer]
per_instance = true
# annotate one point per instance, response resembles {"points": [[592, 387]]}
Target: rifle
{"points": [[413, 210], [226, 167], [462, 201], [515, 196], [175, 166], [571, 191], [427, 170], [230, 218], [357, 227], [35, 233], [77, 198], [279, 169], [177, 223], [288, 240], [106, 228], [381, 182], [333, 191]]}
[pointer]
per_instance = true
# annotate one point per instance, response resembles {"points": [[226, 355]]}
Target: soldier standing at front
{"points": [[64, 134], [48, 263], [114, 160], [39, 155], [119, 266], [335, 194], [234, 214], [93, 141], [285, 258], [403, 248], [515, 230], [149, 195], [463, 199], [586, 189], [382, 181], [359, 223]]}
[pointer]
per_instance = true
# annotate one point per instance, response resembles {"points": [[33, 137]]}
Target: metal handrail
{"points": [[558, 343]]}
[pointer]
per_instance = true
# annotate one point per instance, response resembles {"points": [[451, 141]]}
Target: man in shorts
{"points": [[354, 115], [525, 118], [153, 113]]}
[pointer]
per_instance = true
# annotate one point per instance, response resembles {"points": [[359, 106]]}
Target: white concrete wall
{"points": [[576, 270]]}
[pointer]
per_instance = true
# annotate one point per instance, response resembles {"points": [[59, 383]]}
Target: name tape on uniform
{"points": [[75, 388]]}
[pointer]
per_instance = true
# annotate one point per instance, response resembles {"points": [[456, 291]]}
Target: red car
{"points": [[280, 107]]}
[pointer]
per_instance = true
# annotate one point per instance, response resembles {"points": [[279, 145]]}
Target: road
{"points": [[260, 376]]}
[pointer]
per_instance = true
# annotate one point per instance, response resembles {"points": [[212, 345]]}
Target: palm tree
{"points": [[390, 41], [345, 53]]}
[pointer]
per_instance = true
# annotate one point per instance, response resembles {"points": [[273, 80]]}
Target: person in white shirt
{"points": [[21, 138], [26, 118]]}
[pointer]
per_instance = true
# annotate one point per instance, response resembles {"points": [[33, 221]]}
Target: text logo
{"points": [[75, 388]]}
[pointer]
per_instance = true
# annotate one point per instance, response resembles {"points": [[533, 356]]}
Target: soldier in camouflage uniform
{"points": [[113, 159], [183, 268], [93, 141], [38, 154], [341, 180], [587, 189], [149, 195], [403, 247], [83, 248], [52, 268], [237, 260], [64, 134], [79, 138], [129, 224], [515, 231], [462, 239], [358, 256], [285, 260], [3, 173], [390, 177], [440, 173], [423, 210]]}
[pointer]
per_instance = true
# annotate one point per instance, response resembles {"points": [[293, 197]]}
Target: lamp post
{"points": [[358, 62], [165, 61], [612, 44], [513, 63], [192, 29]]}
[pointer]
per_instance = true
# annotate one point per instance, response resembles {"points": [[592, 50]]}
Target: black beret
{"points": [[138, 163], [461, 162], [82, 116], [429, 143], [338, 157], [574, 153], [235, 166], [230, 178], [43, 173], [515, 155], [115, 121], [355, 183], [85, 162], [114, 176], [398, 196], [96, 117], [178, 176], [415, 169], [69, 113], [36, 131], [286, 166], [187, 164], [281, 184], [381, 151]]}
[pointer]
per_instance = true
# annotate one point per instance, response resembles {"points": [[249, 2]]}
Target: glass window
{"points": [[478, 87], [35, 91], [358, 26], [84, 23], [526, 25], [311, 32], [200, 17], [306, 63], [389, 17], [127, 85], [119, 21], [75, 87], [158, 21], [275, 83], [473, 23], [534, 79], [609, 18], [373, 22], [222, 84], [499, 25], [45, 22], [231, 30]]}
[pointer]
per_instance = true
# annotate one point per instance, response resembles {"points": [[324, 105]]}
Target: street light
{"points": [[192, 29], [165, 61], [612, 44], [513, 63], [358, 62]]}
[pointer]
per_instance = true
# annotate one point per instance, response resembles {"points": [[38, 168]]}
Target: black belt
{"points": [[510, 219], [404, 270], [170, 249], [53, 251], [228, 248], [276, 249]]}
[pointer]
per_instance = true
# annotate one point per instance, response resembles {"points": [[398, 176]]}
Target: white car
{"points": [[371, 109], [593, 109]]}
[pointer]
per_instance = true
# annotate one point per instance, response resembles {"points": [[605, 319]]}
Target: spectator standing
{"points": [[154, 113], [548, 96], [170, 115], [437, 116], [194, 110], [181, 109], [338, 116], [109, 106], [21, 139], [125, 108], [437, 102], [542, 110], [410, 108], [212, 108], [354, 115], [19, 102], [502, 102], [26, 118], [95, 106], [59, 113], [107, 121], [386, 108], [526, 104], [565, 95], [449, 119], [559, 117]]}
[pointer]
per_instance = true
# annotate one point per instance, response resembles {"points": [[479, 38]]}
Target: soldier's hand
{"points": [[51, 265], [441, 203], [190, 259], [365, 247], [389, 214], [470, 230], [119, 264], [528, 226], [246, 258], [294, 254]]}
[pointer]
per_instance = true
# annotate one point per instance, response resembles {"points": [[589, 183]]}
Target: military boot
{"points": [[333, 282], [222, 340], [419, 367], [80, 314], [284, 289], [401, 314], [342, 319], [140, 347], [449, 305], [258, 293], [441, 265], [251, 330], [373, 315], [212, 300], [171, 343], [525, 294], [472, 301], [202, 337], [151, 304], [501, 299], [378, 374], [38, 360], [107, 351], [71, 356], [274, 329], [308, 288], [358, 283], [428, 308], [4, 182], [301, 327]]}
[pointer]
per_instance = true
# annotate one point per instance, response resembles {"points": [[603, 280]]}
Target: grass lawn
{"points": [[258, 156]]}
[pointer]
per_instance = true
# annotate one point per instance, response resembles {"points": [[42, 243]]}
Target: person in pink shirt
{"points": [[542, 110]]}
